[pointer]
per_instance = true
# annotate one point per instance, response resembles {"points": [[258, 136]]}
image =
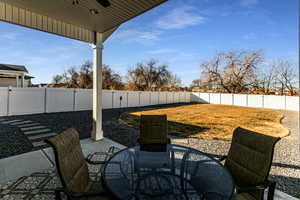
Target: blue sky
{"points": [[180, 33]]}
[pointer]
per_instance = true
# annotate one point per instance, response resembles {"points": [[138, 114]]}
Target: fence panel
{"points": [[255, 101], [182, 97], [154, 98], [292, 103], [187, 97], [215, 98], [205, 97], [227, 99], [275, 102], [133, 99], [144, 98], [163, 97], [3, 101], [26, 101], [107, 99], [195, 97], [240, 99], [83, 99], [116, 99], [176, 97], [59, 100], [170, 97]]}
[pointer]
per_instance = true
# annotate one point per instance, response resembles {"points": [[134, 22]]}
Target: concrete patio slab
{"points": [[32, 165], [25, 164]]}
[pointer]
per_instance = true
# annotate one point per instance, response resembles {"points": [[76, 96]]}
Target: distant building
{"points": [[14, 76]]}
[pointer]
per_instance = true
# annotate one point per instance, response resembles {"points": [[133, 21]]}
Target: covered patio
{"points": [[92, 22], [87, 21]]}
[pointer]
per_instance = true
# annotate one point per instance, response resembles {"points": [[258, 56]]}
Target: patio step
{"points": [[32, 128], [41, 136], [34, 131], [27, 125], [20, 123], [11, 121], [38, 143], [37, 131]]}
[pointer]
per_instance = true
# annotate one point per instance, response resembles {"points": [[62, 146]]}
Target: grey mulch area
{"points": [[285, 169]]}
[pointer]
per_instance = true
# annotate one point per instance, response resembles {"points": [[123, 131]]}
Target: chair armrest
{"points": [[90, 160], [112, 150], [168, 140], [222, 158], [251, 188], [74, 194]]}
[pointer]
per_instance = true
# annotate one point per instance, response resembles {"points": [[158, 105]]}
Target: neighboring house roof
{"points": [[28, 77], [19, 68]]}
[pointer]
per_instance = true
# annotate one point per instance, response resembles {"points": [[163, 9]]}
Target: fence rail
{"points": [[20, 101], [248, 100]]}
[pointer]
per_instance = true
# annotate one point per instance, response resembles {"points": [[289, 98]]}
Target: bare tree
{"points": [[286, 76], [174, 82], [86, 75], [267, 78], [57, 79], [111, 80], [232, 71], [73, 78], [148, 76], [84, 78]]}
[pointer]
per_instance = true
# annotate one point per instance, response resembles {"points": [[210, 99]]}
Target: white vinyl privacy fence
{"points": [[249, 100], [20, 101]]}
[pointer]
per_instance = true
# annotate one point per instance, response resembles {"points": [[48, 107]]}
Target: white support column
{"points": [[17, 81], [97, 133], [23, 81]]}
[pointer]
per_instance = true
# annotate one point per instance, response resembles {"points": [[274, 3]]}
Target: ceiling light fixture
{"points": [[94, 11]]}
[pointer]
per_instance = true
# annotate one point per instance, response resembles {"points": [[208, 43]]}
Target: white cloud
{"points": [[9, 36], [248, 2], [162, 51], [249, 36], [179, 18], [132, 35]]}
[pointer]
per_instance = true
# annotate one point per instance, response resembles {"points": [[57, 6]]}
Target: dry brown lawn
{"points": [[211, 121]]}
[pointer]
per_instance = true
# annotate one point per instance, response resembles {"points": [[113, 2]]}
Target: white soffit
{"points": [[63, 18]]}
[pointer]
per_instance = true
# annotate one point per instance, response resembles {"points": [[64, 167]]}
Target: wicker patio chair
{"points": [[153, 133], [249, 160], [72, 168]]}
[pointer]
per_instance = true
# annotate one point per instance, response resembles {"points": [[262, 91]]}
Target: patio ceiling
{"points": [[84, 20], [71, 19]]}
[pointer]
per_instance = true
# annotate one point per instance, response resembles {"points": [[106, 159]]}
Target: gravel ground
{"points": [[286, 164]]}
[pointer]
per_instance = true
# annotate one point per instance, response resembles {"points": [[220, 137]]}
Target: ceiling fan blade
{"points": [[104, 3]]}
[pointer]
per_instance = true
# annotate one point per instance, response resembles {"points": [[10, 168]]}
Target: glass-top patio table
{"points": [[178, 173]]}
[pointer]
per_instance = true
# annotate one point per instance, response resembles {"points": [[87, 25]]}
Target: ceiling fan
{"points": [[104, 3]]}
